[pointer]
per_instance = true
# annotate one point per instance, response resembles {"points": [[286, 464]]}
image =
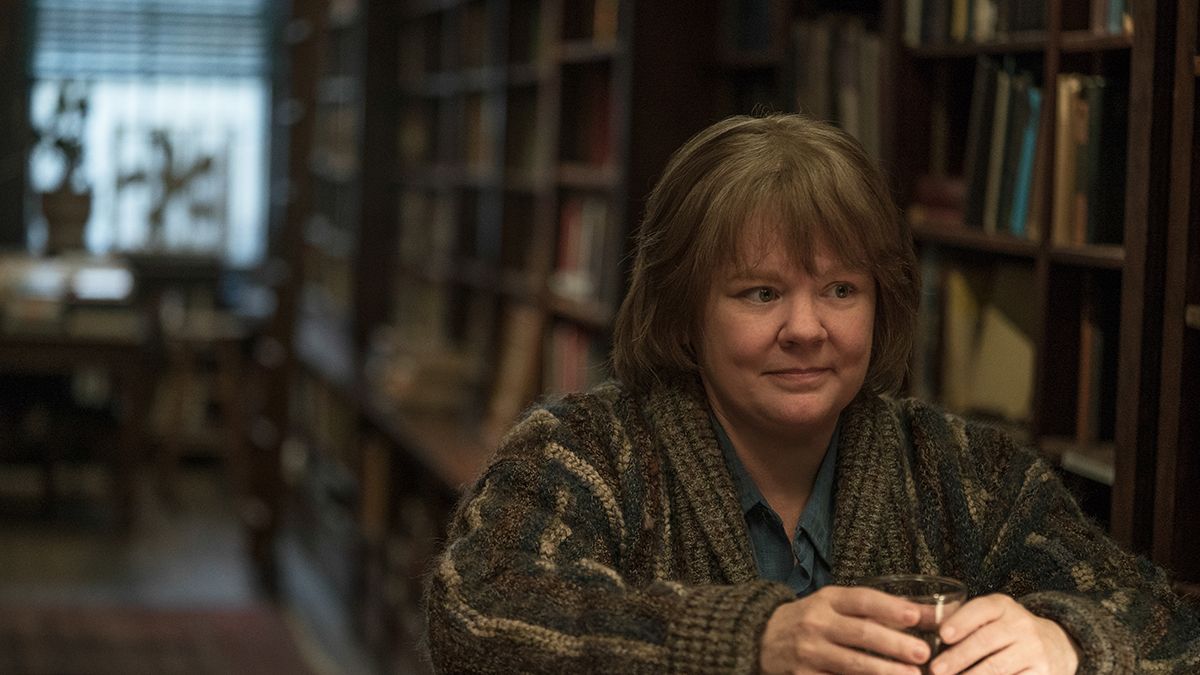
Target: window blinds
{"points": [[149, 38]]}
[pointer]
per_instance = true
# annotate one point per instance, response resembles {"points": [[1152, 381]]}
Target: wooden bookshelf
{"points": [[14, 115], [1078, 276], [1176, 504], [464, 251], [496, 139], [1091, 284]]}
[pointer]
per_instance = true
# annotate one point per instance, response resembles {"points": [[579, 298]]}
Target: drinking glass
{"points": [[939, 597]]}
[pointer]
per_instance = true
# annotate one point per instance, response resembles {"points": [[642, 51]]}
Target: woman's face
{"points": [[781, 351]]}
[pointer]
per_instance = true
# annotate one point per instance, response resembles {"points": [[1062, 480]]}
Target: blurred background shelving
{"points": [[449, 193]]}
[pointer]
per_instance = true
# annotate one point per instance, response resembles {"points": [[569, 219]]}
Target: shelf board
{"points": [[1088, 41], [529, 181], [338, 89], [587, 313], [420, 8], [440, 442], [478, 275], [1191, 316], [331, 240], [1103, 256], [327, 167], [344, 15], [434, 176], [1095, 462], [588, 176], [975, 240], [449, 83], [326, 352], [1198, 66], [763, 59], [527, 74], [588, 51], [1018, 43]]}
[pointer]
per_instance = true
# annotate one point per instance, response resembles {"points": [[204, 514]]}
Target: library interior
{"points": [[347, 242]]}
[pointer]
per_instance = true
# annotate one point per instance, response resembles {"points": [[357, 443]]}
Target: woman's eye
{"points": [[762, 294], [842, 290]]}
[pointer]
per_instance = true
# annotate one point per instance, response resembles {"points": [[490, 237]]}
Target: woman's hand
{"points": [[827, 631], [994, 634]]}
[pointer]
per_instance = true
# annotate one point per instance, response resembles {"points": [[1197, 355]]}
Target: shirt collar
{"points": [[817, 518]]}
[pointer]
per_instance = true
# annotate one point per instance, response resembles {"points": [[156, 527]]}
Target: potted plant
{"points": [[68, 205]]}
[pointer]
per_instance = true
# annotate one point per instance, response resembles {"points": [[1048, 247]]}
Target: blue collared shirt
{"points": [[804, 564]]}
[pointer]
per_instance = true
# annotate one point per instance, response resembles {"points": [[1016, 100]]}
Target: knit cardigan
{"points": [[606, 536]]}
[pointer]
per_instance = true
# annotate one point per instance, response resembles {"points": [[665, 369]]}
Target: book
{"points": [[1024, 172], [570, 277], [517, 370], [979, 138], [1001, 369], [812, 42], [960, 20], [986, 329], [1106, 186], [938, 201], [375, 489], [1091, 370], [927, 351], [961, 293], [845, 65], [935, 21], [984, 19], [1036, 213], [913, 10], [1014, 138], [996, 149], [1084, 132], [752, 25], [1066, 149], [604, 21]]}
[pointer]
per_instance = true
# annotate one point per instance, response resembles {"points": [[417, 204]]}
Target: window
{"points": [[175, 136]]}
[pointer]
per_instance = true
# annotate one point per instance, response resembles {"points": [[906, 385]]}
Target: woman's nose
{"points": [[802, 323]]}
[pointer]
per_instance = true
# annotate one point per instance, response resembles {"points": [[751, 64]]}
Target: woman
{"points": [[710, 510]]}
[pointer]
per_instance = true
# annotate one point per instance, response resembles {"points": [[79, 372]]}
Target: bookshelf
{"points": [[14, 114], [476, 167], [1176, 505], [1021, 142], [1033, 120]]}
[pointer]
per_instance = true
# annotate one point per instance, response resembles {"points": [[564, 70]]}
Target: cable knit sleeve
{"points": [[536, 574], [1060, 565]]}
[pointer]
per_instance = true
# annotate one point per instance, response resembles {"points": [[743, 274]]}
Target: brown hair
{"points": [[808, 175]]}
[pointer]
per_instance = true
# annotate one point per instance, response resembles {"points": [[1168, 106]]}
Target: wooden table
{"points": [[130, 361]]}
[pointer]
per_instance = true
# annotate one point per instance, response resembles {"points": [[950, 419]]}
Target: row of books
{"points": [[587, 114], [1089, 161], [423, 38], [836, 62], [958, 21], [596, 21], [1005, 166], [328, 420], [74, 297], [1000, 160], [576, 360], [336, 143], [975, 351], [1002, 182], [440, 224], [933, 22], [588, 264]]}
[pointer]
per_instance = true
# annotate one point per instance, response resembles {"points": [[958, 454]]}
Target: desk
{"points": [[129, 356], [130, 364]]}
